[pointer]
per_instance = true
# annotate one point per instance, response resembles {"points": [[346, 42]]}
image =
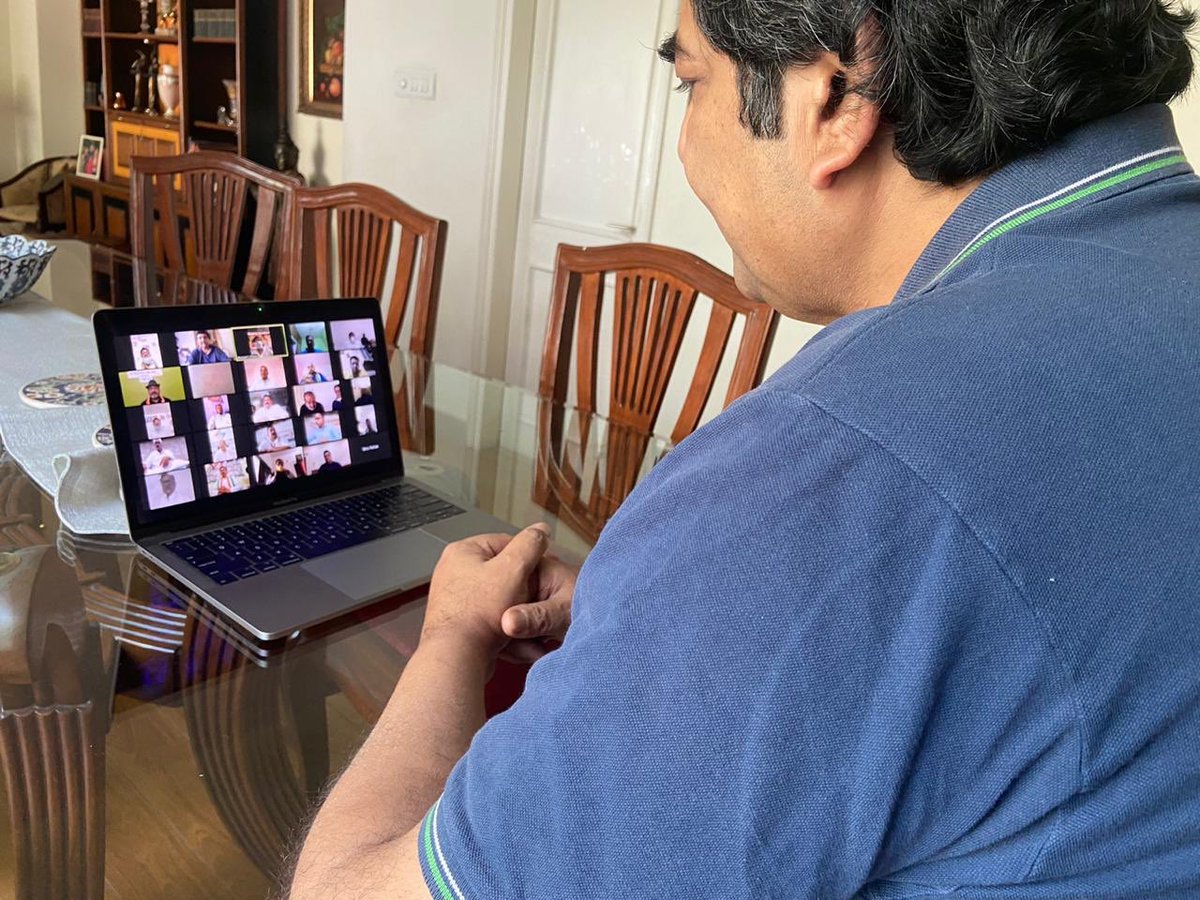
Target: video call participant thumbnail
{"points": [[315, 368], [152, 388], [321, 429], [265, 374], [260, 342], [223, 444], [367, 420], [205, 346], [314, 398], [326, 458], [362, 392], [217, 414], [268, 406], [146, 351], [309, 337], [230, 477], [276, 468], [164, 455], [280, 435], [169, 489], [356, 365], [159, 421], [211, 380]]}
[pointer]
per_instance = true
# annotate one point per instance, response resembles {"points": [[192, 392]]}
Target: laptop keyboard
{"points": [[237, 552]]}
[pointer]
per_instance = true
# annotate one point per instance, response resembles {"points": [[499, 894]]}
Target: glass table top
{"points": [[150, 749]]}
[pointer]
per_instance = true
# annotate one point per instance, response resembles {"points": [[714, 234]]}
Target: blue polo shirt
{"points": [[921, 615]]}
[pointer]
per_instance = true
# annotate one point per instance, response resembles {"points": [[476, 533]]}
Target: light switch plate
{"points": [[416, 84]]}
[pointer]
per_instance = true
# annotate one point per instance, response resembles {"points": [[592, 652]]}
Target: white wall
{"points": [[319, 139], [8, 146], [41, 80], [443, 156]]}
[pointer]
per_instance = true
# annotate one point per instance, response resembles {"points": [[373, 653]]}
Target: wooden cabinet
{"points": [[130, 138]]}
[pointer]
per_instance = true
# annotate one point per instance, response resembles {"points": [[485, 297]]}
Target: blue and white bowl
{"points": [[21, 264]]}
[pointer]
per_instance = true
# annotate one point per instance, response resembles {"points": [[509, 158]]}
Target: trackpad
{"points": [[381, 567]]}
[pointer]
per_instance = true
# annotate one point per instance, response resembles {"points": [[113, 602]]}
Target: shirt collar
{"points": [[1132, 148]]}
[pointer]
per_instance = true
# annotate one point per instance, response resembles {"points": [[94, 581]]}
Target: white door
{"points": [[595, 137]]}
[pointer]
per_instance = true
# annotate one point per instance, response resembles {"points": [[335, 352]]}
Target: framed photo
{"points": [[322, 57], [91, 157]]}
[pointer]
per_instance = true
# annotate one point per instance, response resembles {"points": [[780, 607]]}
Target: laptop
{"points": [[260, 460]]}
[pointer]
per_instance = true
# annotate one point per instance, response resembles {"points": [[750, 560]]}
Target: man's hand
{"points": [[538, 626], [476, 581]]}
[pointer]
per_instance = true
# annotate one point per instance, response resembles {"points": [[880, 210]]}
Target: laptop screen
{"points": [[222, 413]]}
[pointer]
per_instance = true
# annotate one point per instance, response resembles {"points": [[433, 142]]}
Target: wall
{"points": [[449, 157], [8, 146], [42, 64], [319, 139]]}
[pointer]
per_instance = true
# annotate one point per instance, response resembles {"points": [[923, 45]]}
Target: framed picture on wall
{"points": [[322, 56], [91, 157]]}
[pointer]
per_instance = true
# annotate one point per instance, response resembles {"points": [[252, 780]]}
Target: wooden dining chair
{"points": [[218, 217], [343, 240], [654, 291]]}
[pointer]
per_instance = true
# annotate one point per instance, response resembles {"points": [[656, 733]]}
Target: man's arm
{"points": [[364, 840]]}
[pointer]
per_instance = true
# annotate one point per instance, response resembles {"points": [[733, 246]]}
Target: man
{"points": [[355, 367], [917, 617], [363, 388], [146, 360], [206, 351], [166, 492], [260, 349], [337, 398], [312, 376], [366, 426], [263, 381], [268, 411], [330, 464], [279, 473], [224, 482], [162, 460], [219, 418], [309, 347], [153, 393], [271, 441], [322, 432], [159, 427], [310, 406]]}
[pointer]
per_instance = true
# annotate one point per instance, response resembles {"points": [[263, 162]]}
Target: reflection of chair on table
{"points": [[654, 293], [238, 726], [55, 696]]}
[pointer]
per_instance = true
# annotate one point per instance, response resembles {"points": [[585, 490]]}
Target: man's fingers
{"points": [[549, 618], [526, 550]]}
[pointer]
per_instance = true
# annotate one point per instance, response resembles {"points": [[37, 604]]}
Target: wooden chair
{"points": [[655, 291], [220, 217], [341, 246]]}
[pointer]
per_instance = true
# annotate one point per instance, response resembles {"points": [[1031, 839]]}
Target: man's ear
{"points": [[841, 122]]}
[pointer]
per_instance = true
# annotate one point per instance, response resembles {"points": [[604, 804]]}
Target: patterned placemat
{"points": [[103, 436], [85, 389]]}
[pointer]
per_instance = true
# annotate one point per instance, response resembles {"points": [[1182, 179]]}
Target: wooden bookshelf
{"points": [[252, 60]]}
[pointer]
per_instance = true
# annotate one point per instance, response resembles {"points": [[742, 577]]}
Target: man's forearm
{"points": [[401, 770]]}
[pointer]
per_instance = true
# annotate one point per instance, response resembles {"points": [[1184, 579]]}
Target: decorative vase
{"points": [[168, 90]]}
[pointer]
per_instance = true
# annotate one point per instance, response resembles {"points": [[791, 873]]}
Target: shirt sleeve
{"points": [[793, 671]]}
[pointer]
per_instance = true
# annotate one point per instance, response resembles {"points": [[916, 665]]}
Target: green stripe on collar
{"points": [[1060, 203]]}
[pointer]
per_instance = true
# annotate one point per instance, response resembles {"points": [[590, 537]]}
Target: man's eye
{"points": [[684, 87]]}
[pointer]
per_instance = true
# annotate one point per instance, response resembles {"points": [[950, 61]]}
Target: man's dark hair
{"points": [[966, 85]]}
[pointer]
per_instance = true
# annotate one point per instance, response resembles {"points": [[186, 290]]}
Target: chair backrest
{"points": [[237, 214], [655, 290], [342, 246]]}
